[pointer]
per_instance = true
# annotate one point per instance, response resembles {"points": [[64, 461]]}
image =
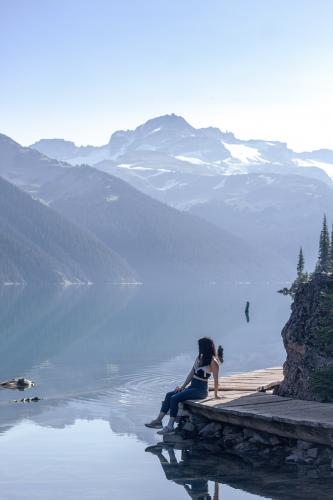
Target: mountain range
{"points": [[155, 240], [260, 191], [169, 144]]}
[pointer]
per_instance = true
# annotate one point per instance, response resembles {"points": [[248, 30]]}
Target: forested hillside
{"points": [[39, 245]]}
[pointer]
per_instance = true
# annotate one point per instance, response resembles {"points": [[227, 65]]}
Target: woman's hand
{"points": [[179, 389]]}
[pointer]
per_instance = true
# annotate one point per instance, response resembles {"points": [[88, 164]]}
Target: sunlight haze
{"points": [[260, 69]]}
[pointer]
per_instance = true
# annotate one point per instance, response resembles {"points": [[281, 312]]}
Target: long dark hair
{"points": [[207, 351]]}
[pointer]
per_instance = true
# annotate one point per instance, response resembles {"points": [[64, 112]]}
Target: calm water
{"points": [[101, 360]]}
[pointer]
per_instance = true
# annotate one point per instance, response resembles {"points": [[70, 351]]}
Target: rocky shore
{"points": [[308, 340], [251, 445]]}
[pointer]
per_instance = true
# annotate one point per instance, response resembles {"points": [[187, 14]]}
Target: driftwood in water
{"points": [[247, 311]]}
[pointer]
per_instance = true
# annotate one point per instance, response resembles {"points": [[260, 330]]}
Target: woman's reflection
{"points": [[183, 472]]}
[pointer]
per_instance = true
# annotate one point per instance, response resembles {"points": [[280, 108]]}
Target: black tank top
{"points": [[202, 372]]}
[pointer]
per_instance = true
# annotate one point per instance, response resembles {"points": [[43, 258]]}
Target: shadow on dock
{"points": [[203, 475]]}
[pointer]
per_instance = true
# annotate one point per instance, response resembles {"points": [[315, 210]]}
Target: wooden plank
{"points": [[242, 405], [249, 381]]}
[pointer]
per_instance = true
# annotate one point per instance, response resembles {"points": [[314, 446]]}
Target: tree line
{"points": [[324, 263], [325, 257]]}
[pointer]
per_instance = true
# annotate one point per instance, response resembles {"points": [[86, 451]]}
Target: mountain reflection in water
{"points": [[108, 355]]}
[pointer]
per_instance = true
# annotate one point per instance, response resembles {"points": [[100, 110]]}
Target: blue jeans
{"points": [[197, 390]]}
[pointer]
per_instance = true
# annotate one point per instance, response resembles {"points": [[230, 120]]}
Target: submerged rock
{"points": [[17, 383], [34, 399]]}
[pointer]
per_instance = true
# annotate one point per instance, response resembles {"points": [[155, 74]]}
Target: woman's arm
{"points": [[188, 379], [215, 370]]}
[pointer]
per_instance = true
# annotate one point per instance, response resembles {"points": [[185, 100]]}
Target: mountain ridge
{"points": [[157, 241], [124, 141]]}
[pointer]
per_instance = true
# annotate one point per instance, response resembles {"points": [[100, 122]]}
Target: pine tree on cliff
{"points": [[324, 264], [300, 265], [301, 275]]}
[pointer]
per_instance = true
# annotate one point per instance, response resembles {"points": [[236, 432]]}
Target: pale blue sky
{"points": [[82, 69]]}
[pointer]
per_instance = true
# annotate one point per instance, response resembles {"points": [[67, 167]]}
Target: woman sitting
{"points": [[206, 364]]}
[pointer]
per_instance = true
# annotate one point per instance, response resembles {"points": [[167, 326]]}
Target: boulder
{"points": [[210, 430], [312, 452]]}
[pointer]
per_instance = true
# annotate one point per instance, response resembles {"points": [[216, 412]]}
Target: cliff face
{"points": [[308, 340]]}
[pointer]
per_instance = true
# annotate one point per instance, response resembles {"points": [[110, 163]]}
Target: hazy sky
{"points": [[82, 69]]}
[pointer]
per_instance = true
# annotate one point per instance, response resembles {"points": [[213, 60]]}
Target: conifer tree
{"points": [[324, 258], [300, 265]]}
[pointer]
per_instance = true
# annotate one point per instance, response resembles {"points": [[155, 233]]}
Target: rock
{"points": [[200, 426], [27, 400], [189, 427], [312, 452], [274, 441], [295, 457], [245, 447], [211, 429], [303, 445], [308, 370], [325, 456], [17, 383], [260, 438], [198, 419], [231, 429], [248, 433], [232, 439]]}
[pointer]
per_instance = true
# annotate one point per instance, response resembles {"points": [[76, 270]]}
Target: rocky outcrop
{"points": [[253, 446], [308, 340]]}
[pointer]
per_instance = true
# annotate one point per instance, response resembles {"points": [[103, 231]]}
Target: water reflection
{"points": [[109, 354], [183, 473], [204, 475], [127, 344]]}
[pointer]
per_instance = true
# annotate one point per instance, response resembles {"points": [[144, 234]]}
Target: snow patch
{"points": [[125, 165], [131, 166], [244, 154], [111, 198], [327, 167], [191, 159], [43, 202]]}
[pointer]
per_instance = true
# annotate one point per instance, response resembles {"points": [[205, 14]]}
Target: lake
{"points": [[102, 359]]}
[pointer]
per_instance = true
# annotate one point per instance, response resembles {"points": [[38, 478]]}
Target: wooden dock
{"points": [[242, 404]]}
